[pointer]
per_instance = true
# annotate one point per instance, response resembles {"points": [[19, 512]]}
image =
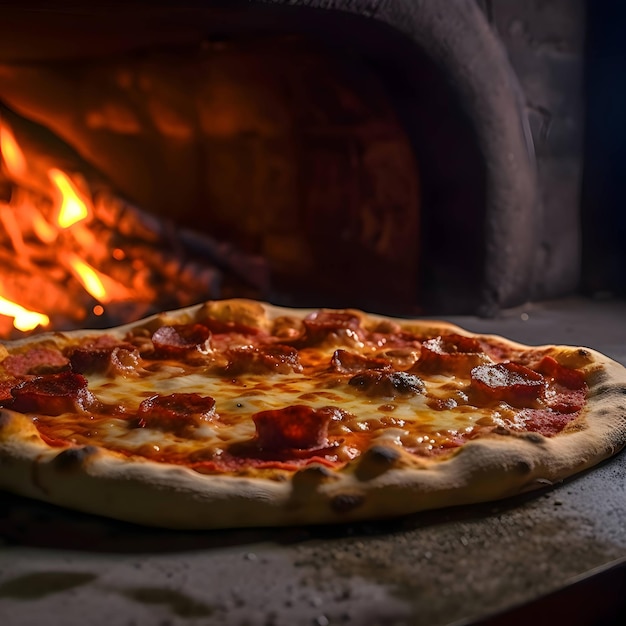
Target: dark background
{"points": [[604, 179]]}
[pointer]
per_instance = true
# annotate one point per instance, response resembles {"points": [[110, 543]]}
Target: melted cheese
{"points": [[423, 420], [406, 420]]}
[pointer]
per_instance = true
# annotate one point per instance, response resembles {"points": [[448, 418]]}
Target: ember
{"points": [[74, 254]]}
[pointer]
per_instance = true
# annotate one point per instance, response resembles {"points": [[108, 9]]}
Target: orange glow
{"points": [[24, 319], [101, 286], [12, 229], [62, 250], [11, 153], [88, 278], [73, 207], [84, 237], [43, 229]]}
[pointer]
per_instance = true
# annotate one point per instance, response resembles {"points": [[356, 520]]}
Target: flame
{"points": [[12, 229], [101, 286], [11, 153], [84, 237], [73, 207], [46, 232], [89, 278], [62, 249], [24, 319]]}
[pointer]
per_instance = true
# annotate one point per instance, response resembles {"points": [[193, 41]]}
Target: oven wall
{"points": [[545, 42], [530, 252]]}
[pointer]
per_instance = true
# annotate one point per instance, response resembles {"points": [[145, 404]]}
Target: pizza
{"points": [[238, 413]]}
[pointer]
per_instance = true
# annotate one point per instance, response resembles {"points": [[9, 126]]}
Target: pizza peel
{"points": [[465, 565]]}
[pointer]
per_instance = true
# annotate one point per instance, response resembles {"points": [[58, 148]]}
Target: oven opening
{"points": [[306, 157]]}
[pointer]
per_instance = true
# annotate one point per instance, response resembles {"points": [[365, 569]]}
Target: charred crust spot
{"points": [[600, 377], [73, 458], [377, 460], [524, 467], [383, 454], [605, 390], [583, 353], [346, 502], [534, 437], [306, 481], [312, 474], [501, 430]]}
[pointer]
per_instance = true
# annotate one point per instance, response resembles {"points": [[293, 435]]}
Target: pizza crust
{"points": [[385, 481]]}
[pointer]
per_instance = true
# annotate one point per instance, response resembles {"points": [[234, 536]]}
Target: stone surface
{"points": [[545, 43], [434, 569]]}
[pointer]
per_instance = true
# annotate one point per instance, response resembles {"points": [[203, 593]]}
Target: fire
{"points": [[44, 231], [68, 252], [12, 229], [89, 278], [57, 238], [102, 287], [12, 155], [24, 319], [73, 208]]}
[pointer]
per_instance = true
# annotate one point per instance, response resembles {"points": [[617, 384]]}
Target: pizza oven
{"points": [[368, 154], [404, 156]]}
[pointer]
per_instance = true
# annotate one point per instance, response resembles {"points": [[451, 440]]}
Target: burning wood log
{"points": [[192, 248], [35, 287], [72, 251]]}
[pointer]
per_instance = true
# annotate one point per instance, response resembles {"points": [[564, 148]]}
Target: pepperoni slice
{"points": [[53, 394], [122, 359], [176, 413], [566, 376], [181, 339], [270, 359], [102, 341], [85, 360], [322, 325], [35, 361], [568, 390], [508, 382], [124, 362], [452, 354], [220, 328], [297, 426], [5, 390], [387, 384], [565, 400], [346, 362], [544, 421]]}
